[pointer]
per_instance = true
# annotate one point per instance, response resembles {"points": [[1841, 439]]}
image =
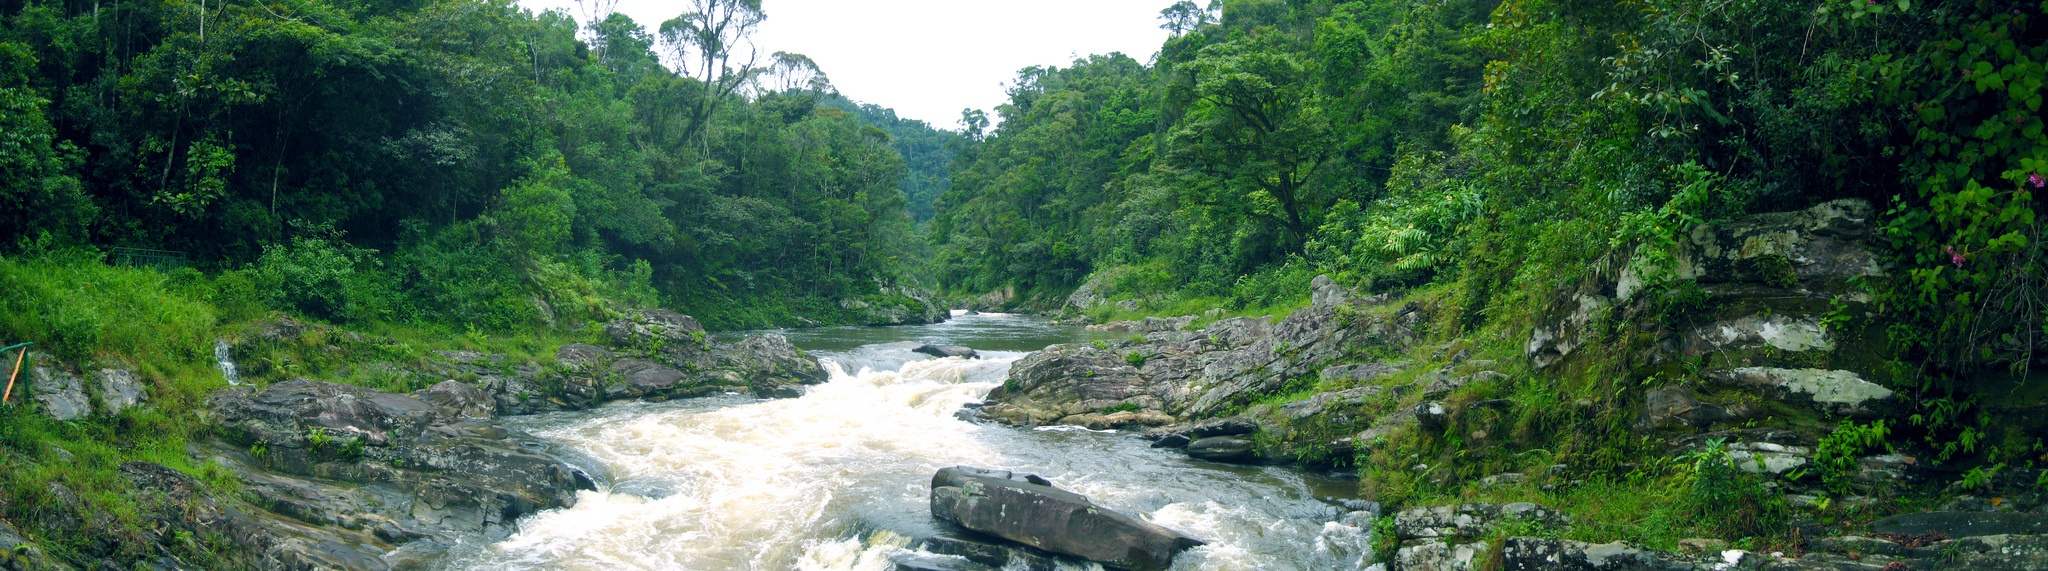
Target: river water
{"points": [[836, 479]]}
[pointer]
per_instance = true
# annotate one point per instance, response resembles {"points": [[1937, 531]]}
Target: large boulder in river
{"points": [[896, 306], [1028, 510], [663, 354], [943, 351]]}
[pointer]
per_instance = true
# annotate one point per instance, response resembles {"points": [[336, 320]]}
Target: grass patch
{"points": [[84, 314]]}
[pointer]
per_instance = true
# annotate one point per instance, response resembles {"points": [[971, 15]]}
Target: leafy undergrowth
{"points": [[86, 315]]}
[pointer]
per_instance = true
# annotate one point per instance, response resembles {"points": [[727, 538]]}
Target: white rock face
{"points": [[1767, 458], [1780, 332], [1840, 392], [61, 394], [119, 390]]}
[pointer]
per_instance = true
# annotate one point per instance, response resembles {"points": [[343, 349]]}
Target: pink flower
{"points": [[2036, 180], [1954, 257]]}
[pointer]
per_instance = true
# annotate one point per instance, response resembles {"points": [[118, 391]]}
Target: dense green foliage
{"points": [[1258, 122], [927, 152], [1488, 143], [460, 161]]}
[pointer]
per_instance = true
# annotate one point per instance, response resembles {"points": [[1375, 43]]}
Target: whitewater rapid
{"points": [[827, 480]]}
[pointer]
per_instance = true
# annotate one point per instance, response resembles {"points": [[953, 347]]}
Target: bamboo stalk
{"points": [[17, 372]]}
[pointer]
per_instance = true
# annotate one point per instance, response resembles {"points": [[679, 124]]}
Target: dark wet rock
{"points": [[666, 357], [461, 399], [1028, 510], [1963, 524], [1231, 449], [119, 390], [1171, 441], [17, 553], [179, 504], [943, 351], [919, 562], [393, 466], [767, 364], [1431, 416], [1065, 380], [997, 553], [632, 378]]}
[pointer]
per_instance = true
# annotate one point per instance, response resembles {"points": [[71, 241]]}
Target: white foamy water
{"points": [[834, 480], [224, 358]]}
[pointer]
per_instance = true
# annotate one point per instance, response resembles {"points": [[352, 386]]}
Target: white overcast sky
{"points": [[928, 59]]}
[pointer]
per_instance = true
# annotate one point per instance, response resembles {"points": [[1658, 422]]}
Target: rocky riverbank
{"points": [[338, 476], [1759, 357]]}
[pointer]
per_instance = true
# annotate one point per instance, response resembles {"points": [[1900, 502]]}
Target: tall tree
{"points": [[713, 43], [1256, 136]]}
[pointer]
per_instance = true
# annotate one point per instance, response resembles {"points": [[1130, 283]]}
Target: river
{"points": [[836, 479]]}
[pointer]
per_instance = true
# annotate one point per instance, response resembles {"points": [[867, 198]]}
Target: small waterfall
{"points": [[223, 356]]}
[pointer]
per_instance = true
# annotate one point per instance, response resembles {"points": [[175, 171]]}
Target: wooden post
{"points": [[17, 372]]}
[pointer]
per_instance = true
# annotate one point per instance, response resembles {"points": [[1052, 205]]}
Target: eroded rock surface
{"points": [[392, 466], [1836, 392], [59, 393], [1197, 374], [1028, 510]]}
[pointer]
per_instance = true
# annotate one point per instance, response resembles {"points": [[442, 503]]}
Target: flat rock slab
{"points": [[1963, 524], [1027, 509]]}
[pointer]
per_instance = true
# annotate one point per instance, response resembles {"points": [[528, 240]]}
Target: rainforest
{"points": [[1318, 284]]}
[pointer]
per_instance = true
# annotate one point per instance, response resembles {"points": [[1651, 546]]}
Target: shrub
{"points": [[320, 276]]}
